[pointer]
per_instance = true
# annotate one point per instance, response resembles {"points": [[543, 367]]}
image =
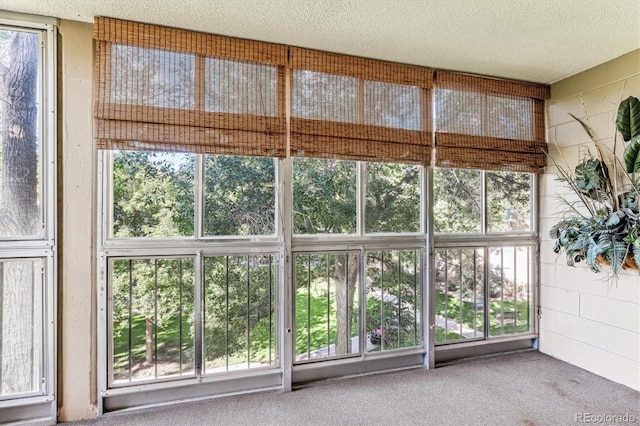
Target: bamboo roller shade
{"points": [[485, 123], [356, 108], [160, 88]]}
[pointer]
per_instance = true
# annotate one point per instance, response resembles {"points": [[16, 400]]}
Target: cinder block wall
{"points": [[587, 320]]}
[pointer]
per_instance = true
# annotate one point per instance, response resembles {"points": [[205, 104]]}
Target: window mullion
{"points": [[198, 189], [483, 203], [360, 197]]}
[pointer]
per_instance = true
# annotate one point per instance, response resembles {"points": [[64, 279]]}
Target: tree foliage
{"points": [[153, 197]]}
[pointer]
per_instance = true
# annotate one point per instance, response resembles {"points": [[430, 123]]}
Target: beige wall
{"points": [[587, 320], [76, 203]]}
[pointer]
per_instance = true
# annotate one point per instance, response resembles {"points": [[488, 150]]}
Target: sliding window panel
{"points": [[238, 311], [459, 293], [326, 305], [21, 321], [393, 300], [152, 319], [510, 290]]}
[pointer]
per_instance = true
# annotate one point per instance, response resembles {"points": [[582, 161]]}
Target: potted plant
{"points": [[602, 225]]}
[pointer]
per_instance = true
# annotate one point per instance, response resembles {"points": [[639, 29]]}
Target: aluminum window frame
{"points": [[486, 240], [41, 405], [198, 246]]}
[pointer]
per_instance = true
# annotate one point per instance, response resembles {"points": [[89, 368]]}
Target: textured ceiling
{"points": [[534, 40]]}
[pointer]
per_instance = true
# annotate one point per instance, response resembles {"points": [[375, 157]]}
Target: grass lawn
{"points": [[496, 327], [313, 331]]}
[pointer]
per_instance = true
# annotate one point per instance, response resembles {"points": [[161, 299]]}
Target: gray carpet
{"points": [[526, 388]]}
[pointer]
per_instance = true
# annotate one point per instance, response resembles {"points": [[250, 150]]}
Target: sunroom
{"points": [[200, 203]]}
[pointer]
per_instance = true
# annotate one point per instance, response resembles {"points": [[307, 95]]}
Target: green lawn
{"points": [[496, 327], [168, 344]]}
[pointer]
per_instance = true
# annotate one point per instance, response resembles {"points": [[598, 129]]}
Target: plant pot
{"points": [[629, 262]]}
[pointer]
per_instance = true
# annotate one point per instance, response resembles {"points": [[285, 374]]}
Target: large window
{"points": [[484, 270], [190, 313], [360, 302], [481, 202], [27, 227], [270, 217]]}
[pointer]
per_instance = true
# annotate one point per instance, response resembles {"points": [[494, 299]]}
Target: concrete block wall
{"points": [[587, 320]]}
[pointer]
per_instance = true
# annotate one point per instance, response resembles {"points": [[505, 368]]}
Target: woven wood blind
{"points": [[359, 109], [160, 88], [483, 123]]}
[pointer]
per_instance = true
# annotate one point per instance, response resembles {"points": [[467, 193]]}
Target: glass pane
{"points": [[238, 312], [20, 186], [152, 77], [459, 112], [323, 96], [21, 351], [457, 205], [510, 117], [152, 194], [393, 300], [326, 305], [239, 195], [392, 105], [324, 196], [240, 87], [393, 198], [510, 290], [459, 294], [152, 319], [508, 201]]}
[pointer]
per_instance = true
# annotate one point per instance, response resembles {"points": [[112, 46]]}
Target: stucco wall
{"points": [[76, 203], [587, 320]]}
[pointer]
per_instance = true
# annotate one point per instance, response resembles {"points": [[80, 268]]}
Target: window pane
{"points": [[392, 105], [510, 290], [510, 117], [324, 196], [21, 338], [459, 294], [508, 201], [459, 112], [321, 96], [326, 305], [152, 194], [20, 208], [238, 312], [240, 87], [393, 299], [152, 77], [393, 198], [457, 200], [239, 195], [152, 319]]}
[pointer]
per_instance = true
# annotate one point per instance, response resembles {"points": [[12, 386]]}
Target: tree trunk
{"points": [[148, 333], [19, 351], [19, 117], [346, 284]]}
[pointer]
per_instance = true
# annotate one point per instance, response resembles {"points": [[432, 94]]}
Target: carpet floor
{"points": [[524, 388]]}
